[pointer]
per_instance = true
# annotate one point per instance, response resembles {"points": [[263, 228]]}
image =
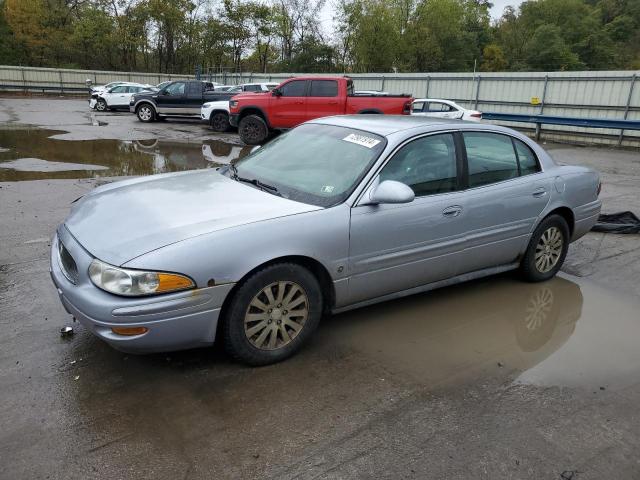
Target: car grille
{"points": [[67, 263]]}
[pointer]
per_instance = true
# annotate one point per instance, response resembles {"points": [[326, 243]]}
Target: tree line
{"points": [[178, 36]]}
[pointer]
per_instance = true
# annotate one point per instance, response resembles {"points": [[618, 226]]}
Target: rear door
{"points": [[194, 98], [323, 99], [290, 108], [442, 110], [401, 246], [506, 194]]}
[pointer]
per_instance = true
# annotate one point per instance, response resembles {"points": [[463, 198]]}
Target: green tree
{"points": [[547, 51], [493, 59]]}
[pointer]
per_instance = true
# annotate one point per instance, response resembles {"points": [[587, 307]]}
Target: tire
{"points": [[219, 122], [146, 113], [258, 330], [550, 242], [101, 105], [253, 130]]}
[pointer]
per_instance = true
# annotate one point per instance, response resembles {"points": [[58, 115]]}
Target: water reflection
{"points": [[457, 332], [122, 158]]}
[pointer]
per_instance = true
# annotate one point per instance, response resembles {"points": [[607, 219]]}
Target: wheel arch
{"points": [[142, 102], [253, 110], [373, 111], [318, 270], [564, 212]]}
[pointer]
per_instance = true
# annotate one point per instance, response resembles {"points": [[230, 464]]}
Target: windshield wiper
{"points": [[253, 181]]}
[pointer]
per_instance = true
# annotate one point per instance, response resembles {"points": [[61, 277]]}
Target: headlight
{"points": [[233, 103], [206, 105], [133, 283]]}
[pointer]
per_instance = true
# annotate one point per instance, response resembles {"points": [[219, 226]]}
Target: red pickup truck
{"points": [[304, 98]]}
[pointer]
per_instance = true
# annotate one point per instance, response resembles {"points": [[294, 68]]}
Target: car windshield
{"points": [[315, 164]]}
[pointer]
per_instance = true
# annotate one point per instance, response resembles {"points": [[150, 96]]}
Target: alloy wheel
{"points": [[101, 106], [145, 114], [548, 249], [276, 315]]}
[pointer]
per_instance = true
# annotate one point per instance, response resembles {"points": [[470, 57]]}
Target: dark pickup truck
{"points": [[177, 99]]}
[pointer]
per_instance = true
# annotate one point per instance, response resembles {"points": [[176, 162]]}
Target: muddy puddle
{"points": [[565, 332], [29, 154]]}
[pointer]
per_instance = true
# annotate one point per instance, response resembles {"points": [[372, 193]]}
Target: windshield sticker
{"points": [[327, 189], [361, 140]]}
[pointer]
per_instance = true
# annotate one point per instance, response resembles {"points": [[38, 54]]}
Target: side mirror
{"points": [[390, 191], [276, 93]]}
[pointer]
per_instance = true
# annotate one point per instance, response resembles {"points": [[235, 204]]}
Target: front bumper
{"points": [[174, 321], [234, 119]]}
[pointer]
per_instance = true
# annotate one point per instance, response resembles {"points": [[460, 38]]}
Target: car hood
{"points": [[120, 221]]}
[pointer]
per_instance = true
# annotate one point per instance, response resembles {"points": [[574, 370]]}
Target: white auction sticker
{"points": [[361, 140]]}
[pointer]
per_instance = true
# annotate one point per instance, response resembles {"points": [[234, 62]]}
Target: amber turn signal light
{"points": [[129, 331]]}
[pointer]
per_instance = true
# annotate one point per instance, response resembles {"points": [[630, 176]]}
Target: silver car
{"points": [[338, 213]]}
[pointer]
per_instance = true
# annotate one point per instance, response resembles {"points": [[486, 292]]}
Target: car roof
{"points": [[384, 124]]}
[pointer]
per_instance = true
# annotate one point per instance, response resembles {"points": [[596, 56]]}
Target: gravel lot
{"points": [[493, 379]]}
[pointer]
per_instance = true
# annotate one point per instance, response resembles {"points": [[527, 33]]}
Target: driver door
{"points": [[290, 108], [170, 101], [396, 247]]}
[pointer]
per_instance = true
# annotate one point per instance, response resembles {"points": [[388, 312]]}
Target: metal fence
{"points": [[607, 95], [32, 79]]}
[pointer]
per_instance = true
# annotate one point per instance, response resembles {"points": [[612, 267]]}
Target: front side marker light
{"points": [[129, 331]]}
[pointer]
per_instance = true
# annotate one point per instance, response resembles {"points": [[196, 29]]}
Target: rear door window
{"points": [[526, 158], [491, 158], [324, 88], [295, 88], [194, 89]]}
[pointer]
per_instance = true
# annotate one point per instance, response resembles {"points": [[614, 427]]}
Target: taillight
{"points": [[406, 109], [476, 115], [599, 188]]}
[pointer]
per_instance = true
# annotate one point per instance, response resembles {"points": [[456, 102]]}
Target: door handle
{"points": [[539, 192], [332, 103], [299, 103], [452, 211]]}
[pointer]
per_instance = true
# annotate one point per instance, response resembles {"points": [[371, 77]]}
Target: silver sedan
{"points": [[338, 213]]}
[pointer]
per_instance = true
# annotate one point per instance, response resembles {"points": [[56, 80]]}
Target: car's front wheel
{"points": [[547, 249], [219, 122], [146, 113], [272, 314], [101, 105], [253, 130]]}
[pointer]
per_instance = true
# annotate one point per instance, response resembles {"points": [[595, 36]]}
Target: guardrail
{"points": [[540, 120], [44, 88]]}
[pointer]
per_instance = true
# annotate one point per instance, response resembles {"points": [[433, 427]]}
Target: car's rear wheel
{"points": [[272, 314], [219, 122], [101, 105], [253, 130], [146, 113], [547, 249]]}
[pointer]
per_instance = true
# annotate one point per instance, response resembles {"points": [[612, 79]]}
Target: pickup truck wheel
{"points": [[101, 105], [253, 130], [219, 122], [146, 113], [272, 314]]}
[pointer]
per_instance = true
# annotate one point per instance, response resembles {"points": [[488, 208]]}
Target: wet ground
{"points": [[492, 379], [31, 154]]}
